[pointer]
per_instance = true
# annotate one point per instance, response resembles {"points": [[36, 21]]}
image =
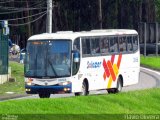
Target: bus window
{"points": [[113, 44], [95, 48], [135, 43], [129, 44], [104, 45], [86, 46], [76, 45], [122, 44]]}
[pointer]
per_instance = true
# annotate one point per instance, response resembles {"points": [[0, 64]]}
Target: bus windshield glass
{"points": [[48, 58]]}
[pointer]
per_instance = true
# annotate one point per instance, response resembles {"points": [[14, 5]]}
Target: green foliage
{"points": [[151, 62], [80, 15], [157, 3], [18, 86]]}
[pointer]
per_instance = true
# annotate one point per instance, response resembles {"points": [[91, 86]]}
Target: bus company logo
{"points": [[93, 64], [111, 69]]}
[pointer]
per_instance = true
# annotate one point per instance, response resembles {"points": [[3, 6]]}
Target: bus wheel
{"points": [[77, 94], [117, 89], [119, 85], [44, 95], [110, 91], [84, 89]]}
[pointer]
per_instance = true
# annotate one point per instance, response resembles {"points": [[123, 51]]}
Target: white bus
{"points": [[79, 62]]}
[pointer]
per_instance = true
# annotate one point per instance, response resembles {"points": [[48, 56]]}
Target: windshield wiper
{"points": [[52, 67]]}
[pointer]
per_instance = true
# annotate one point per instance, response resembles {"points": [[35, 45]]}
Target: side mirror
{"points": [[22, 56], [76, 57]]}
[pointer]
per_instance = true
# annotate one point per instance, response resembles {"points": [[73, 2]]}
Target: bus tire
{"points": [[44, 95], [84, 91], [119, 85], [77, 94], [118, 88], [111, 90]]}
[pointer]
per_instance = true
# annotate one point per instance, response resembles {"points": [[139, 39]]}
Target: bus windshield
{"points": [[48, 58]]}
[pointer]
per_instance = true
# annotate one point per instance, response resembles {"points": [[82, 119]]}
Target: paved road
{"points": [[148, 79]]}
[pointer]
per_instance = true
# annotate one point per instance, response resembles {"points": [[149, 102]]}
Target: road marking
{"points": [[156, 72]]}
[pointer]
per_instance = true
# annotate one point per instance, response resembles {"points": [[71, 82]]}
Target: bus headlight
{"points": [[29, 81], [65, 83]]}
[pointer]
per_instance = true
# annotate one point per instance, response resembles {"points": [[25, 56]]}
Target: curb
{"points": [[150, 70], [13, 96]]}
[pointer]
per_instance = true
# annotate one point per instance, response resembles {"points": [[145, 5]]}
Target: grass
{"points": [[152, 62], [18, 86], [137, 102]]}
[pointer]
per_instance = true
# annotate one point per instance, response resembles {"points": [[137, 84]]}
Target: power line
{"points": [[22, 10], [28, 8], [15, 1], [7, 1], [25, 17], [28, 22], [35, 5], [40, 3], [25, 1]]}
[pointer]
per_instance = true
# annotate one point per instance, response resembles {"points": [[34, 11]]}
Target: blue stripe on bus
{"points": [[53, 88]]}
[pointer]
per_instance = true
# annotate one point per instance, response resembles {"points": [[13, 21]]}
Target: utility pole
{"points": [[28, 20], [49, 16]]}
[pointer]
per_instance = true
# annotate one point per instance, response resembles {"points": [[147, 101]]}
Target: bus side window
{"points": [[95, 48], [114, 44], [129, 44], [135, 43], [86, 46], [104, 45], [122, 44]]}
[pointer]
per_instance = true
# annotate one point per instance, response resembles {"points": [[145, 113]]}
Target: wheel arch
{"points": [[121, 78]]}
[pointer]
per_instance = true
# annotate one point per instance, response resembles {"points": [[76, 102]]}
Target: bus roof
{"points": [[72, 35]]}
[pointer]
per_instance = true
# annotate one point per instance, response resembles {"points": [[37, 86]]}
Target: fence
{"points": [[3, 54], [149, 38]]}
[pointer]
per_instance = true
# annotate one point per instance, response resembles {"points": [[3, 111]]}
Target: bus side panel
{"points": [[90, 70], [130, 69], [76, 83], [94, 69]]}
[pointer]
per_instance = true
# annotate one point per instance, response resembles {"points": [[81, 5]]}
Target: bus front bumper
{"points": [[35, 89]]}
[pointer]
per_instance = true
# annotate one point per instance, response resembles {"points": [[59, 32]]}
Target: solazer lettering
{"points": [[93, 64]]}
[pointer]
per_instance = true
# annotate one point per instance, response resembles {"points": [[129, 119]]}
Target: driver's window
{"points": [[76, 47]]}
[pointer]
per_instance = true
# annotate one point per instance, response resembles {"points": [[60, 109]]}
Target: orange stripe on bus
{"points": [[112, 59], [104, 76], [106, 68], [109, 64], [119, 60]]}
